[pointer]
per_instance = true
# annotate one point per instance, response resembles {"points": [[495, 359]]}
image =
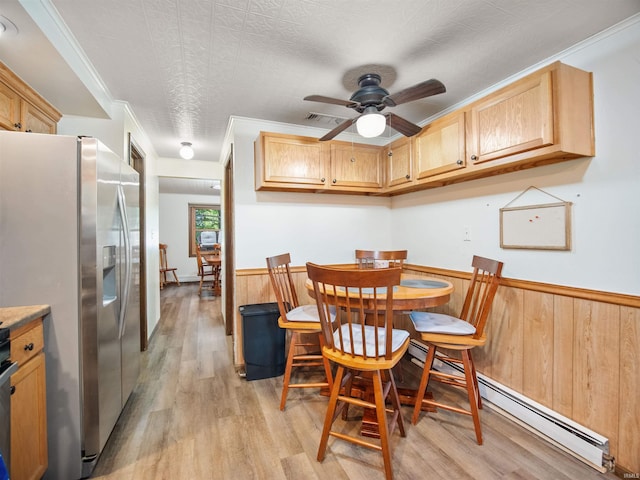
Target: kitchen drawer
{"points": [[27, 342]]}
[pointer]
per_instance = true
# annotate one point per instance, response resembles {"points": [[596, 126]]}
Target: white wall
{"points": [[312, 227], [605, 191], [174, 231]]}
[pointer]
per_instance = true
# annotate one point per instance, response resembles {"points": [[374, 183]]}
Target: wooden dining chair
{"points": [[358, 347], [380, 258], [164, 269], [204, 270], [459, 334], [303, 323]]}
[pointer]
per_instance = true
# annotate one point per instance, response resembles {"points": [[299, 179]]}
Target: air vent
{"points": [[324, 119]]}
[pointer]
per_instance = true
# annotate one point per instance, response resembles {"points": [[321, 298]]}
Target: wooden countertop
{"points": [[15, 317]]}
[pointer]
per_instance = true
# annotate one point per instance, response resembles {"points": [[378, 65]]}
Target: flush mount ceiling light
{"points": [[371, 123], [186, 151]]}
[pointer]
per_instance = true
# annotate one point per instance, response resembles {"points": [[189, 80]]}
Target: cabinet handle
{"points": [[28, 346], [407, 176], [353, 159], [474, 157], [17, 125], [12, 390], [334, 180], [322, 179], [459, 162], [28, 131]]}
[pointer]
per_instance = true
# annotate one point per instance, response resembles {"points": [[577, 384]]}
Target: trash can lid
{"points": [[259, 309]]}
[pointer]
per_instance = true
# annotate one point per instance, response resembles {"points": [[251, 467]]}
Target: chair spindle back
{"points": [[482, 288], [368, 306], [282, 283]]}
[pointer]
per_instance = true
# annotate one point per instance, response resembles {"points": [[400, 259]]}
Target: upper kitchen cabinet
{"points": [[290, 162], [22, 108], [440, 146], [546, 115], [399, 163], [295, 163], [355, 167]]}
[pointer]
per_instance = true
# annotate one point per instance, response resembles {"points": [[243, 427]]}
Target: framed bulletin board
{"points": [[536, 227]]}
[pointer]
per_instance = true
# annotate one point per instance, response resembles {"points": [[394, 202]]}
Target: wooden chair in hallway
{"points": [[378, 258], [360, 348], [164, 269], [303, 323], [461, 334], [205, 270]]}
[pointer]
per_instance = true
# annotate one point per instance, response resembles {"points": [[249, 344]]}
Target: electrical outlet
{"points": [[467, 234]]}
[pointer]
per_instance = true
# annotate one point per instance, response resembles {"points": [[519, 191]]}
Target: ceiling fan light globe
{"points": [[186, 151], [371, 125]]}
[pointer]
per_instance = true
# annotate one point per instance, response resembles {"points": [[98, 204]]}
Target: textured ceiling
{"points": [[191, 186], [187, 66]]}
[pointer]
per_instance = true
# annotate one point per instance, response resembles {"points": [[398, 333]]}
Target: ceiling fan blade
{"points": [[333, 101], [339, 129], [403, 126], [421, 90]]}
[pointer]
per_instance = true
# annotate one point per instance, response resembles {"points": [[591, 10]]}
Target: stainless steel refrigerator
{"points": [[70, 238]]}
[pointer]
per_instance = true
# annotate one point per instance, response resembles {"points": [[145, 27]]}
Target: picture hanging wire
{"points": [[532, 187]]}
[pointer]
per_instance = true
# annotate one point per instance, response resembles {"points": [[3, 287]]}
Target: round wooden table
{"points": [[415, 292]]}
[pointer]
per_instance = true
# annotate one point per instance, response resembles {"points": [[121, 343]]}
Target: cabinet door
{"points": [[29, 421], [514, 120], [399, 162], [356, 165], [9, 108], [34, 120], [293, 160], [440, 146]]}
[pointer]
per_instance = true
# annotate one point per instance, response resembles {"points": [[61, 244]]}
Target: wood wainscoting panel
{"points": [[563, 328], [629, 422], [538, 348], [502, 358], [596, 363]]}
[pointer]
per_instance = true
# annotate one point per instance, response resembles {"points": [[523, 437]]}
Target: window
{"points": [[202, 218]]}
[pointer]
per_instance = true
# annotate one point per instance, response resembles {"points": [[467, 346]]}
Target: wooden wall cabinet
{"points": [[290, 162], [29, 458], [440, 146], [22, 108], [545, 115], [355, 167], [296, 163], [399, 163]]}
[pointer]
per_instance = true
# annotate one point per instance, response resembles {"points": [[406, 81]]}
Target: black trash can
{"points": [[263, 341]]}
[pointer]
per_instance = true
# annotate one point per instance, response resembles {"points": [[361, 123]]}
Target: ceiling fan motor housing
{"points": [[370, 92]]}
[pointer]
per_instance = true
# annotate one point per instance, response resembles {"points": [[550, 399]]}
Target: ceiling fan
{"points": [[370, 99]]}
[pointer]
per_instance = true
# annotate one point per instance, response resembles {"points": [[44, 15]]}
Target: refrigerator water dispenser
{"points": [[109, 284]]}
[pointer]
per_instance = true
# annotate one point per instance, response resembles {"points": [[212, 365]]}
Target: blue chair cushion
{"points": [[427, 322], [308, 313], [398, 337]]}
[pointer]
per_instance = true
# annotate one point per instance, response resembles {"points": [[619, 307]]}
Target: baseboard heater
{"points": [[575, 439]]}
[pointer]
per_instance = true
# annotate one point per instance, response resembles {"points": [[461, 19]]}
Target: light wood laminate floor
{"points": [[193, 417]]}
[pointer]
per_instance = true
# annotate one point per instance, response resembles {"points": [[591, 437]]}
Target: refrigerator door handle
{"points": [[127, 261]]}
